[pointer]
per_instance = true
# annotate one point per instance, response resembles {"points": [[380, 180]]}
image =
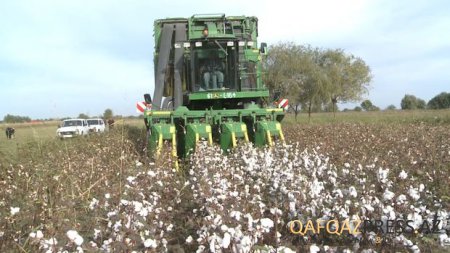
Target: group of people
{"points": [[10, 132]]}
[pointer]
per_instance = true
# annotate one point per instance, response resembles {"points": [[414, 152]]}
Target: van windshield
{"points": [[67, 123], [93, 122]]}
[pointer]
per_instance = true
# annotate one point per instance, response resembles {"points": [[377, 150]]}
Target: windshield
{"points": [[93, 122], [213, 67], [68, 123]]}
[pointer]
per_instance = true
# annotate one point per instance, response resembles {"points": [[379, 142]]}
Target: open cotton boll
{"points": [[352, 191], [382, 175], [150, 243], [266, 224], [403, 175], [226, 240], [388, 195], [14, 210], [75, 237], [414, 193], [314, 249]]}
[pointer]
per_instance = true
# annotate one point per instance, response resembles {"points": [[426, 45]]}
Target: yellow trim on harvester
{"points": [[274, 110], [159, 113]]}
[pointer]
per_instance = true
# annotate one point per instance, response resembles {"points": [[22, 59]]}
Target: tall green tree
{"points": [[411, 102], [293, 71], [83, 116], [367, 105], [348, 77], [315, 77], [108, 114], [441, 101]]}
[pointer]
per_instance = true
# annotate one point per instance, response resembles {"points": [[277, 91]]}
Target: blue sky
{"points": [[63, 58]]}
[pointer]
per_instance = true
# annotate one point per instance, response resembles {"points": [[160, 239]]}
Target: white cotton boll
{"points": [[75, 237], [94, 202], [224, 228], [236, 215], [276, 211], [200, 249], [292, 209], [266, 224], [117, 225], [401, 199], [283, 249], [151, 173], [112, 213], [403, 175], [347, 165], [421, 187], [382, 175], [38, 235], [315, 188], [416, 218], [388, 195], [314, 249], [414, 194], [226, 240], [189, 240], [352, 191], [130, 179], [415, 249], [369, 208], [343, 213], [149, 243], [14, 210], [338, 193], [212, 243], [444, 240], [51, 242], [96, 233]]}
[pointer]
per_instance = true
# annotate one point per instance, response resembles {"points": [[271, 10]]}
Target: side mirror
{"points": [[263, 48], [148, 98]]}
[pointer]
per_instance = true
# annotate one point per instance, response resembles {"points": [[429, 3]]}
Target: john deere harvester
{"points": [[208, 85]]}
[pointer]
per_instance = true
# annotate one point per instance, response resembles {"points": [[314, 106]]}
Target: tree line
{"points": [[315, 78], [108, 114], [411, 102], [440, 101], [15, 119]]}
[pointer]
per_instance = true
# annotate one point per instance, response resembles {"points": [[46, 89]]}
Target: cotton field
{"points": [[111, 199]]}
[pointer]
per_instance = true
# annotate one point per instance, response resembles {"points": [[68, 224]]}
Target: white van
{"points": [[73, 127], [96, 125]]}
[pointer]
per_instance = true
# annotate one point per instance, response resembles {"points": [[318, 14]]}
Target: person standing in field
{"points": [[10, 132]]}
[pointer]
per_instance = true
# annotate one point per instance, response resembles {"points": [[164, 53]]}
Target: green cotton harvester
{"points": [[208, 85]]}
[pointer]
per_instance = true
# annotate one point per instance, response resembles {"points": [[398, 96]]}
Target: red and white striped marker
{"points": [[141, 106], [283, 103]]}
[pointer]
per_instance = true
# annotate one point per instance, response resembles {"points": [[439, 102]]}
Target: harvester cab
{"points": [[208, 84]]}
